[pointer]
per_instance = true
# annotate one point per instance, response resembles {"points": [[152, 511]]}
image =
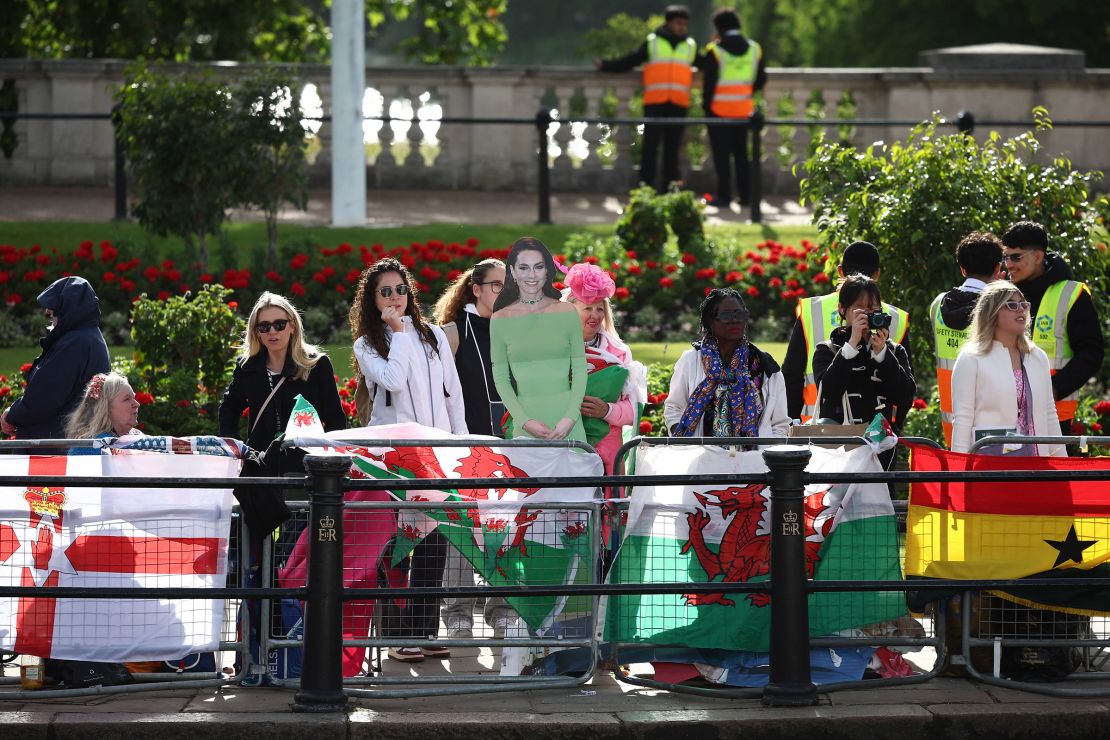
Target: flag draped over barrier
{"points": [[101, 537], [1012, 529], [507, 541], [714, 533]]}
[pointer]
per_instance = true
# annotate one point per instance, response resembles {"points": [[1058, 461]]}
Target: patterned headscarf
{"points": [[730, 392]]}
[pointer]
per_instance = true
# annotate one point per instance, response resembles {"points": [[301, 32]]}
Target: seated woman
{"points": [[726, 386], [859, 371], [616, 387], [107, 409], [998, 348]]}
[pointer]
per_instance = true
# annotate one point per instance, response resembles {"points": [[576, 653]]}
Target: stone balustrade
{"points": [[588, 158]]}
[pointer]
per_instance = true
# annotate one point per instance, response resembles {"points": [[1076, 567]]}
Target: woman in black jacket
{"points": [[859, 371], [275, 365]]}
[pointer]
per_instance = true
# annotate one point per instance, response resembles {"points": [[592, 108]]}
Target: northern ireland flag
{"points": [[507, 542], [100, 537], [721, 533], [1012, 529]]}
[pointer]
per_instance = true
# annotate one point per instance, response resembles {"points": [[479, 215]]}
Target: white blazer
{"points": [[689, 373], [984, 395], [413, 384]]}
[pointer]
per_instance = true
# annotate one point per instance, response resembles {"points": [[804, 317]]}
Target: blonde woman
{"points": [[1001, 380], [107, 409], [275, 365]]}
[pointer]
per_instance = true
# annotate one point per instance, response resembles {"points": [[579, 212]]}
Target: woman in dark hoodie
{"points": [[73, 351], [859, 371]]}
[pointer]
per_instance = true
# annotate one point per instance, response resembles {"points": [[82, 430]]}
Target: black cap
{"points": [[676, 11], [860, 257]]}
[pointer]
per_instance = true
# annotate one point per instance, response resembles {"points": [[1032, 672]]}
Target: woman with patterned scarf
{"points": [[616, 385], [726, 386]]}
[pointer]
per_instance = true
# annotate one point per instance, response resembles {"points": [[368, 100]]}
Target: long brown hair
{"points": [[366, 319], [461, 291]]}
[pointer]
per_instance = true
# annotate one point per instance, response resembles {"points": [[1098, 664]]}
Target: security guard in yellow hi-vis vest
{"points": [[816, 319], [668, 57], [979, 255], [1065, 324], [734, 74]]}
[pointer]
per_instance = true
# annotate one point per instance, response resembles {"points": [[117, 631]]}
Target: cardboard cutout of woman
{"points": [[539, 362]]}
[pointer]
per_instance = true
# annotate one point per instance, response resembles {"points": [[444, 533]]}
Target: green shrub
{"points": [[916, 198]]}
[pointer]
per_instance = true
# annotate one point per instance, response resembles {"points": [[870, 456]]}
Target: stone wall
{"points": [[995, 82]]}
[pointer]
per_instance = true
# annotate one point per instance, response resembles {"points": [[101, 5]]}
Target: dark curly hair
{"points": [[708, 309], [366, 319], [1026, 235]]}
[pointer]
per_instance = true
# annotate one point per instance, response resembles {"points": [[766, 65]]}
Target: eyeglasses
{"points": [[1017, 305], [387, 291], [265, 326], [495, 285], [732, 316], [1013, 257]]}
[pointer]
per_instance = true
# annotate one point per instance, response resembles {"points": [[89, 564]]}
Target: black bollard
{"points": [[756, 172], [790, 684], [543, 120], [322, 672]]}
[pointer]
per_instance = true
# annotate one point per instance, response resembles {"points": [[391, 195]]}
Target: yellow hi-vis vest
{"points": [[734, 96], [947, 344], [819, 316], [1050, 333], [669, 72]]}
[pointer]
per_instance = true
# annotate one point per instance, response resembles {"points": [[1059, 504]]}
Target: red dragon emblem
{"points": [[744, 552], [482, 462], [303, 418]]}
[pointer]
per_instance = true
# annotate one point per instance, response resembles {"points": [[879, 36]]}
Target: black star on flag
{"points": [[1071, 548]]}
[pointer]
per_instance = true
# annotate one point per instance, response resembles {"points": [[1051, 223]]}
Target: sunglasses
{"points": [[264, 327], [387, 291], [495, 285], [732, 316], [1017, 305], [1014, 258]]}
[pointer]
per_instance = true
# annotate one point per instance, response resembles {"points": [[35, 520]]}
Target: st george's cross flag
{"points": [[707, 532], [1012, 529], [118, 538], [507, 541]]}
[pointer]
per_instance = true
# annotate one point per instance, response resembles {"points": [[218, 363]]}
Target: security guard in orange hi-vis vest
{"points": [[979, 255], [816, 318], [1065, 324], [668, 58], [734, 73]]}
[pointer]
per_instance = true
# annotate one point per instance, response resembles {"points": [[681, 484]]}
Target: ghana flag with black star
{"points": [[1013, 529]]}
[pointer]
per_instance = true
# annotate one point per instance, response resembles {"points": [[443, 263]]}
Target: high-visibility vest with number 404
{"points": [[947, 343], [734, 96], [1050, 333], [819, 316], [669, 72]]}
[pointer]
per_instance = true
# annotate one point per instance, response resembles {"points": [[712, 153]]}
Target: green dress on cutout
{"points": [[539, 368]]}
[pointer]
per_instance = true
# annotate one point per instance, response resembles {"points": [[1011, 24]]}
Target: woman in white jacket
{"points": [[411, 376], [1001, 380], [726, 386]]}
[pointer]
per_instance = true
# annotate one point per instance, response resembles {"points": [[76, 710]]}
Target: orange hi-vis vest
{"points": [[669, 71], [947, 343], [734, 95]]}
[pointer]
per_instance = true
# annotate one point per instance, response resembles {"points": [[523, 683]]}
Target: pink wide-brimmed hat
{"points": [[589, 283]]}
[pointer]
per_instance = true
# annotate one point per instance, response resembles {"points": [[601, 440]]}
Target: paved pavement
{"points": [[943, 707], [388, 207]]}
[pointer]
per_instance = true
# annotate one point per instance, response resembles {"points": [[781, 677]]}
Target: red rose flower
{"points": [[688, 259], [233, 305], [646, 427], [666, 282], [651, 264], [820, 278], [592, 260], [621, 293], [631, 254], [753, 291], [182, 403], [733, 276], [163, 295], [297, 289], [775, 282], [670, 268], [144, 398], [25, 368], [756, 270], [634, 270], [1096, 427], [1102, 407], [919, 403]]}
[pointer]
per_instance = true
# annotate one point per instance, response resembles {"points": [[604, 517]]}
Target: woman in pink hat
{"points": [[616, 387]]}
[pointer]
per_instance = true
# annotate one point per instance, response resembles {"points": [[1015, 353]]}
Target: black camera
{"points": [[878, 320]]}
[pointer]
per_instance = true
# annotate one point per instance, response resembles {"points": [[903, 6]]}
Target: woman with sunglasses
{"points": [[408, 369], [726, 386], [998, 348], [276, 365]]}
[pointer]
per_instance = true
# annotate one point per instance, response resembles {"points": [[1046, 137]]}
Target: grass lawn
{"points": [[11, 358]]}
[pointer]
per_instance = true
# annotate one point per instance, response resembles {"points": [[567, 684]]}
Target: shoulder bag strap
{"points": [[266, 403]]}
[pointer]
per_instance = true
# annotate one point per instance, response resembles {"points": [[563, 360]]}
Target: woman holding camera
{"points": [[859, 371]]}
